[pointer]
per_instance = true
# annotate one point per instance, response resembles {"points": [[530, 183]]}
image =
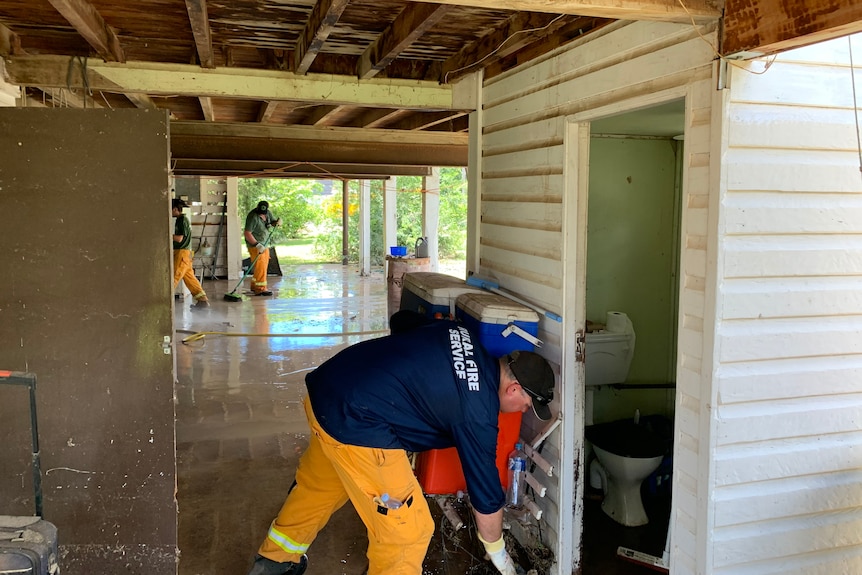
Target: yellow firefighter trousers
{"points": [[329, 473], [261, 264], [183, 271]]}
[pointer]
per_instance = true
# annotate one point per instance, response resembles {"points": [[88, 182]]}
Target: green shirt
{"points": [[182, 227], [258, 226]]}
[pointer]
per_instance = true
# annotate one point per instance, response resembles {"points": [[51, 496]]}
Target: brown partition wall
{"points": [[86, 305]]}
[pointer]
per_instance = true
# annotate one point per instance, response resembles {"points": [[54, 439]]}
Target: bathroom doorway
{"points": [[632, 268]]}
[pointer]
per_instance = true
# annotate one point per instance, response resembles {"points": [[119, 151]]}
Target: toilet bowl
{"points": [[628, 454]]}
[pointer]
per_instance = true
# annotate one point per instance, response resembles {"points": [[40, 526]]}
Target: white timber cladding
{"points": [[787, 440], [530, 241], [209, 229]]}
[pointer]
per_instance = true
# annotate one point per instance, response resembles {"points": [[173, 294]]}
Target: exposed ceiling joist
{"points": [[324, 17], [207, 108], [520, 30], [325, 135], [10, 43], [141, 101], [200, 24], [759, 27], [423, 121], [320, 114], [90, 24], [416, 19], [661, 10], [259, 168], [267, 109], [255, 84]]}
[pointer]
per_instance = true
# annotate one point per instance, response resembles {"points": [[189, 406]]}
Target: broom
{"points": [[232, 295]]}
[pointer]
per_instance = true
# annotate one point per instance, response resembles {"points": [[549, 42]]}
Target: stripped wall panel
{"points": [[526, 182], [786, 429]]}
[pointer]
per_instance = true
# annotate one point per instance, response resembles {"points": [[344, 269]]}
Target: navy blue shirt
{"points": [[428, 388]]}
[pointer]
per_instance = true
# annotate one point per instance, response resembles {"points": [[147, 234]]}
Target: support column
{"points": [[364, 227], [345, 219], [474, 181], [431, 214], [234, 231], [390, 209]]}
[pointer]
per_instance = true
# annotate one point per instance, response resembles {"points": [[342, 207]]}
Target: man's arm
{"points": [[489, 526]]}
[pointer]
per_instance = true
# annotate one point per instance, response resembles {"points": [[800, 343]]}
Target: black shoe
{"points": [[264, 292], [201, 304], [264, 566]]}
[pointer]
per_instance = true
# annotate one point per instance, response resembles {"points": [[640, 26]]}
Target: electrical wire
{"points": [[497, 49], [855, 107], [715, 51]]}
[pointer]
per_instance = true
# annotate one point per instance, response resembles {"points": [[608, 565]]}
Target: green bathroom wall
{"points": [[631, 247]]}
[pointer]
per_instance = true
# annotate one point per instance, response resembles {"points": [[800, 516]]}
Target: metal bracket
{"points": [[166, 345]]}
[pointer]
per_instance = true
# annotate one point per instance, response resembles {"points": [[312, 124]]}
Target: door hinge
{"points": [[580, 346], [166, 345]]}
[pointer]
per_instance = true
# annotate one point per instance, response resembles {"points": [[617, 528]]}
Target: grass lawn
{"points": [[298, 251], [301, 251]]}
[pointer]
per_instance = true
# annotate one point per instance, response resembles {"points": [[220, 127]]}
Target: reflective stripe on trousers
{"points": [[329, 473]]}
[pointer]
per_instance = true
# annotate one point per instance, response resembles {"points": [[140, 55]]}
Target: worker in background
{"points": [[257, 232], [183, 269], [423, 387]]}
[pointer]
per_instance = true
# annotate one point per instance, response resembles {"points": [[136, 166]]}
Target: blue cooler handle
{"points": [[512, 328]]}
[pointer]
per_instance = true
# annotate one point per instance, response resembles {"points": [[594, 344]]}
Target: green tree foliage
{"points": [[291, 200], [452, 227]]}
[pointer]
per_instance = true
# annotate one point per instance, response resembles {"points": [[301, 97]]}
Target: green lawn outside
{"points": [[301, 251]]}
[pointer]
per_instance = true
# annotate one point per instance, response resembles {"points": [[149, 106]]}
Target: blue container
{"points": [[489, 314], [430, 293], [399, 251]]}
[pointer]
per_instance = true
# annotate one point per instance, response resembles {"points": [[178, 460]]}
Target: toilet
{"points": [[627, 452]]}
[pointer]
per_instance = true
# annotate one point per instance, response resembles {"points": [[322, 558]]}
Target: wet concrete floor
{"points": [[241, 427]]}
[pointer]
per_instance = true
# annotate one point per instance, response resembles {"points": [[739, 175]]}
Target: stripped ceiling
{"points": [[357, 88]]}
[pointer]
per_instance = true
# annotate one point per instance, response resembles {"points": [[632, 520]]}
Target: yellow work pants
{"points": [[183, 271], [261, 264], [329, 473]]}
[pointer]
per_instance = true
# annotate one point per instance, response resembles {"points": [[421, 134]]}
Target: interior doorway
{"points": [[632, 271]]}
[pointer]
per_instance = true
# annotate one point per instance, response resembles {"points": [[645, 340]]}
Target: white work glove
{"points": [[499, 557], [261, 247]]}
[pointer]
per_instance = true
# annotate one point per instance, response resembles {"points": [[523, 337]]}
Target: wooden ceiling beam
{"points": [[141, 101], [380, 151], [702, 11], [207, 108], [200, 24], [416, 19], [267, 109], [324, 17], [92, 27], [218, 166], [517, 31], [319, 115], [10, 43], [423, 120], [761, 27], [328, 135], [158, 79]]}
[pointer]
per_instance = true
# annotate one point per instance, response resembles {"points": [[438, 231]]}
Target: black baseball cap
{"points": [[178, 203], [263, 205], [535, 375]]}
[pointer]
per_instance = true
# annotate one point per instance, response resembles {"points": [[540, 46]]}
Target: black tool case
{"points": [[28, 544]]}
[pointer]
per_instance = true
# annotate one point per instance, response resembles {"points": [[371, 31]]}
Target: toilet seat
{"points": [[628, 453]]}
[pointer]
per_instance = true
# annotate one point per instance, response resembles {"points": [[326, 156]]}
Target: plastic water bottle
{"points": [[389, 502], [517, 476]]}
